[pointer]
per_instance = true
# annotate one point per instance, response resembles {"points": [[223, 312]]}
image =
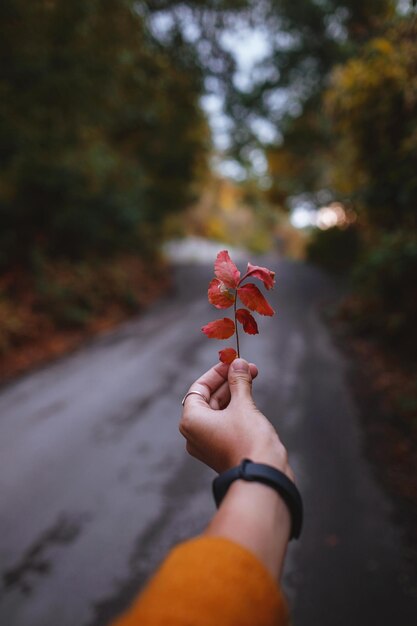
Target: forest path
{"points": [[95, 485]]}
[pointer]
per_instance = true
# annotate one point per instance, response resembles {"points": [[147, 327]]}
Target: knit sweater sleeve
{"points": [[207, 581]]}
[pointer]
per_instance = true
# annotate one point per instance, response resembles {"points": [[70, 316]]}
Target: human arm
{"points": [[227, 576], [221, 433]]}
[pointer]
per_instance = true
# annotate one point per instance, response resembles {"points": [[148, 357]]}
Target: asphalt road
{"points": [[95, 485]]}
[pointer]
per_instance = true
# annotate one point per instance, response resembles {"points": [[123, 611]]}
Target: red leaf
{"points": [[248, 321], [254, 300], [227, 355], [219, 329], [263, 273], [219, 295], [226, 270]]}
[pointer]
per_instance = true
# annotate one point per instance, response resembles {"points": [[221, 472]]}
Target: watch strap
{"points": [[267, 475]]}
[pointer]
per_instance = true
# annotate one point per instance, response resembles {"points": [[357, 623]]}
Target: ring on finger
{"points": [[198, 393]]}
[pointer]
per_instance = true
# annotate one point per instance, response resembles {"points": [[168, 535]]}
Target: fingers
{"points": [[212, 435], [240, 380], [206, 385], [214, 385], [253, 370], [221, 398], [209, 382]]}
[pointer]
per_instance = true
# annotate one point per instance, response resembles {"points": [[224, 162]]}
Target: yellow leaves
{"points": [[382, 46], [372, 104], [369, 80], [282, 162], [382, 66]]}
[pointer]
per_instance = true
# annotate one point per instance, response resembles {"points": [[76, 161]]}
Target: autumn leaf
{"points": [[219, 329], [227, 355], [223, 292], [248, 321], [263, 273], [254, 300], [226, 271], [219, 295]]}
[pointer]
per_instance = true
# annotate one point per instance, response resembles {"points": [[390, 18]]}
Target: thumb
{"points": [[240, 380]]}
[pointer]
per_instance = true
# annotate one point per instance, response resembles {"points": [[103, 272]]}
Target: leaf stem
{"points": [[237, 333]]}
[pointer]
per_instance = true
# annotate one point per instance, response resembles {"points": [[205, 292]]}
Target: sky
{"points": [[249, 46]]}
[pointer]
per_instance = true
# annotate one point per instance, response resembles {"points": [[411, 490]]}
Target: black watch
{"points": [[258, 472]]}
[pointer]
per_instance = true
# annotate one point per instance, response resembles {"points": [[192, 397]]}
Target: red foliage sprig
{"points": [[223, 293]]}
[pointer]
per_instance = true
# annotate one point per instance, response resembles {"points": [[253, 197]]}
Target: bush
{"points": [[372, 102], [101, 131], [384, 281], [63, 296], [335, 249]]}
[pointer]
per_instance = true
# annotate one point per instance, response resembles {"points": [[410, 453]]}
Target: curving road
{"points": [[95, 485]]}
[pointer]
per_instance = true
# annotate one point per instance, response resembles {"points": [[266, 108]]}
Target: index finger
{"points": [[213, 378], [207, 384]]}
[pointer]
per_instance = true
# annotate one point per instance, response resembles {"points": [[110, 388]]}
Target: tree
{"points": [[101, 131], [372, 100], [307, 40]]}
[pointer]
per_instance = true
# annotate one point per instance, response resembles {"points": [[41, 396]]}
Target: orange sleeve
{"points": [[205, 582]]}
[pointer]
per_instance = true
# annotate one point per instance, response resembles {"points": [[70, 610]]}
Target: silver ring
{"points": [[191, 392]]}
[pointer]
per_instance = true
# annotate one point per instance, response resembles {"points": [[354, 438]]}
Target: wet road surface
{"points": [[95, 485]]}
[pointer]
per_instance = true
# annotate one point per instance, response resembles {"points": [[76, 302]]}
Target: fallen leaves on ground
{"points": [[34, 330]]}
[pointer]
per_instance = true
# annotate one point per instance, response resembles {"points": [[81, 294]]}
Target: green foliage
{"points": [[71, 294], [102, 137], [355, 134], [73, 297], [373, 104], [384, 281], [301, 163], [101, 134], [307, 38], [335, 249]]}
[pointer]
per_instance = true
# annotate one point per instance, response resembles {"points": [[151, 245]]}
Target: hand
{"points": [[229, 427]]}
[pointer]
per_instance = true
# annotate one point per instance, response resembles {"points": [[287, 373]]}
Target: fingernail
{"points": [[240, 365]]}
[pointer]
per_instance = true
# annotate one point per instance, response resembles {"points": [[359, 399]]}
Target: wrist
{"points": [[255, 517], [271, 477], [258, 495], [273, 454]]}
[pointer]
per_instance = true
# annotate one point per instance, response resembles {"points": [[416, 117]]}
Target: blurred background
{"points": [[138, 138]]}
